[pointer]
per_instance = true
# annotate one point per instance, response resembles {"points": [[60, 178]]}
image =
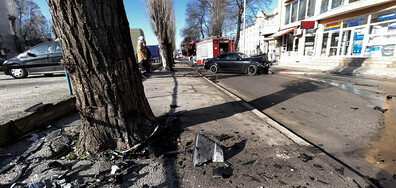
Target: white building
{"points": [[257, 33], [344, 32], [8, 28]]}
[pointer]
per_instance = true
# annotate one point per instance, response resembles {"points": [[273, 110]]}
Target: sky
{"points": [[136, 14]]}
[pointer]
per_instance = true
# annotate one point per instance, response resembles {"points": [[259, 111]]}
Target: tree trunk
{"points": [[239, 22], [98, 55]]}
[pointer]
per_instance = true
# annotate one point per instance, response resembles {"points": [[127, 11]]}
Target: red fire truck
{"points": [[188, 49], [211, 47]]}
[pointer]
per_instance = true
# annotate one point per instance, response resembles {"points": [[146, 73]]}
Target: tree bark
{"points": [[98, 54]]}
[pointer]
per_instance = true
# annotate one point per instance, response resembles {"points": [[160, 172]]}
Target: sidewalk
{"points": [[261, 153], [317, 68]]}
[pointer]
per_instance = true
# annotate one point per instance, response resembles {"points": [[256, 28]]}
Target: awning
{"points": [[281, 33]]}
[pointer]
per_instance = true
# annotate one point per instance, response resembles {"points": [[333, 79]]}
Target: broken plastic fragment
{"points": [[114, 169], [206, 150]]}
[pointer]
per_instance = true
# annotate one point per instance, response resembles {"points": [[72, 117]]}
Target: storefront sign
{"points": [[333, 26], [355, 22], [388, 50], [386, 16], [392, 26], [307, 24]]}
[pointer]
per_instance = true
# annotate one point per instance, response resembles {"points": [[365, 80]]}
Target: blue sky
{"points": [[137, 18]]}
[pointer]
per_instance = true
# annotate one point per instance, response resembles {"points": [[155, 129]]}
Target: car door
{"points": [[222, 63], [233, 63], [56, 56], [242, 63], [37, 59]]}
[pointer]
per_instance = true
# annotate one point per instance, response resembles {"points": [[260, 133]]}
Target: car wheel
{"points": [[252, 70], [213, 69], [19, 73]]}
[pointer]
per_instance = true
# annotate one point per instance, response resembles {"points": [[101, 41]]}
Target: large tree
{"points": [[98, 55], [162, 20]]}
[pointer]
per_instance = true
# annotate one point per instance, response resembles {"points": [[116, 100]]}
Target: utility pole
{"points": [[244, 24]]}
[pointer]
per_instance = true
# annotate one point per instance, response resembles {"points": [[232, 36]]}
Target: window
{"points": [[351, 1], [311, 8], [324, 6], [41, 49], [287, 17], [301, 9], [294, 12], [334, 43], [232, 57], [324, 43], [58, 47], [336, 3]]}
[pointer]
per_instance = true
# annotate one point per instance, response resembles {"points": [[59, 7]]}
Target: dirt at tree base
{"points": [[167, 162]]}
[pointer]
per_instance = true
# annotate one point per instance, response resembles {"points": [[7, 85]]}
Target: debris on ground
{"points": [[206, 150], [305, 157], [354, 108], [173, 106], [222, 172], [366, 85], [380, 109], [389, 97]]}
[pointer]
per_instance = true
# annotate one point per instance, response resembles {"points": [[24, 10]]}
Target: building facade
{"points": [[342, 32], [8, 29], [256, 41]]}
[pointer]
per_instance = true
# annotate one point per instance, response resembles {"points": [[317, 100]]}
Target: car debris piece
{"points": [[389, 97], [222, 172], [39, 107], [206, 150], [305, 157], [114, 169], [53, 135], [380, 109], [19, 175], [354, 108], [173, 106]]}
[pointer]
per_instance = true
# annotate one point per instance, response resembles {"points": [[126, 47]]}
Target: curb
{"points": [[295, 138], [14, 129]]}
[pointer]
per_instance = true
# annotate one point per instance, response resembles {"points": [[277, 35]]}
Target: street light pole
{"points": [[244, 24]]}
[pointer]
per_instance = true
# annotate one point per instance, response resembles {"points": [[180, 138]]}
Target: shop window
{"points": [[296, 45], [311, 8], [336, 3], [324, 44], [289, 42], [294, 12], [379, 28], [287, 17], [324, 6], [309, 45], [351, 1], [334, 43], [301, 9]]}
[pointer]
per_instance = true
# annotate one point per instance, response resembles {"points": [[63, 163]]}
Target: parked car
{"points": [[239, 63], [43, 58]]}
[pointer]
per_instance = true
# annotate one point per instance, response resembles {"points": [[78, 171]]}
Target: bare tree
{"points": [[162, 20], [252, 7], [98, 55], [196, 20], [34, 26], [217, 10]]}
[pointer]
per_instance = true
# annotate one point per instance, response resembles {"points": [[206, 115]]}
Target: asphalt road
{"points": [[335, 113], [16, 95]]}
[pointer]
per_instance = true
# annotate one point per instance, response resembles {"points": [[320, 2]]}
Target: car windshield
{"points": [[243, 56]]}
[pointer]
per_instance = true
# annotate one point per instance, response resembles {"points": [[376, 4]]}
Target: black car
{"points": [[238, 63], [43, 58]]}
